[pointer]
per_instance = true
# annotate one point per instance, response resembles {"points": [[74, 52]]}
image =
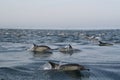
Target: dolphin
{"points": [[66, 49], [104, 44], [69, 50], [40, 48], [67, 67]]}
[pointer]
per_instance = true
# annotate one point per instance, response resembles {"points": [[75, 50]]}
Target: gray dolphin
{"points": [[66, 49], [41, 48], [69, 50], [66, 67], [104, 44]]}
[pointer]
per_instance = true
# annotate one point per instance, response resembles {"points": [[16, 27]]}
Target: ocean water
{"points": [[17, 62]]}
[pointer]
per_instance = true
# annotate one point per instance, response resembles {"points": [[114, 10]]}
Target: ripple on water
{"points": [[16, 63]]}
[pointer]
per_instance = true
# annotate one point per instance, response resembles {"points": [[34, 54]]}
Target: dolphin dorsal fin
{"points": [[100, 42], [52, 64], [70, 46], [34, 44]]}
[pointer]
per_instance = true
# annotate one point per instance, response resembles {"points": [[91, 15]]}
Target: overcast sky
{"points": [[60, 14]]}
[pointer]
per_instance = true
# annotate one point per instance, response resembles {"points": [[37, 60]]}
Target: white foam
{"points": [[47, 66]]}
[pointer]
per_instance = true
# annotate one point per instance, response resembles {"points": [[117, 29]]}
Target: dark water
{"points": [[18, 63]]}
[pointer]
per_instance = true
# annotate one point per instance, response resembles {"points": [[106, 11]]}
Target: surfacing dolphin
{"points": [[66, 67], [40, 48], [68, 49], [104, 44]]}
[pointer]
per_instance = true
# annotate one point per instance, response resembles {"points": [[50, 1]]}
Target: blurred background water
{"points": [[18, 63]]}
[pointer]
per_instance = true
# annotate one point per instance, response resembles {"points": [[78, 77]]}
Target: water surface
{"points": [[18, 63]]}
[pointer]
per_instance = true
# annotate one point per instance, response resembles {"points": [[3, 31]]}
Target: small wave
{"points": [[14, 70], [12, 47]]}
